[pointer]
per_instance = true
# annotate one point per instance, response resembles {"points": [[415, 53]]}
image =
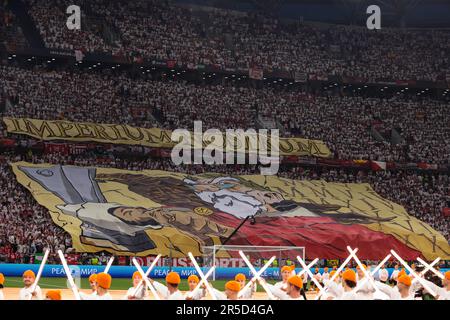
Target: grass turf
{"points": [[117, 283]]}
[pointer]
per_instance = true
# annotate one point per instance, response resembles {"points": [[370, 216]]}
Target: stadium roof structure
{"points": [[395, 13]]}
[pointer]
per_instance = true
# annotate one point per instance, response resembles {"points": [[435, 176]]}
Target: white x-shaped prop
{"points": [[39, 274], [258, 277], [202, 281], [145, 279], [202, 276], [413, 273], [69, 275], [306, 269], [147, 273], [108, 266], [429, 267], [338, 271], [361, 283], [366, 275]]}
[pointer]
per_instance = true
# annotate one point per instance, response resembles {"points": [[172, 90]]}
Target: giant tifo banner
{"points": [[150, 212], [123, 134]]}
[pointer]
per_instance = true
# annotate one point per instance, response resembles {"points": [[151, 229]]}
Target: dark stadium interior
{"points": [[377, 96]]}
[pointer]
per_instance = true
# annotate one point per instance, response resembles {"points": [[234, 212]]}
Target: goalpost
{"points": [[228, 256]]}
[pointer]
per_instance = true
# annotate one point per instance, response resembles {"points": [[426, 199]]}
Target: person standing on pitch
{"points": [[193, 281], [348, 283], [232, 289], [2, 282], [333, 288], [141, 293], [383, 275], [293, 291], [325, 274], [93, 284], [248, 293], [402, 291], [394, 275], [170, 291], [444, 292], [103, 281], [286, 272], [26, 292]]}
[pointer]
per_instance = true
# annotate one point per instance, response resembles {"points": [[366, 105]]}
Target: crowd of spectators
{"points": [[161, 30], [344, 122], [11, 34], [26, 228]]}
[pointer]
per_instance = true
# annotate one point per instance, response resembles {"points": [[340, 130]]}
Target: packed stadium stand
{"points": [[373, 98]]}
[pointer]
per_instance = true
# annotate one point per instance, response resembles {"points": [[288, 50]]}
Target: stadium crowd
{"points": [[343, 121], [23, 221], [156, 30], [160, 30]]}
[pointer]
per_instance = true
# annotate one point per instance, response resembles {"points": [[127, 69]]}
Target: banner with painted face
{"points": [[156, 212]]}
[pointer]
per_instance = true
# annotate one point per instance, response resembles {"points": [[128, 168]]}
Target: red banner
{"points": [[61, 148], [446, 212]]}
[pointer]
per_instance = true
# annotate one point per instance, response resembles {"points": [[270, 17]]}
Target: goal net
{"points": [[227, 256]]}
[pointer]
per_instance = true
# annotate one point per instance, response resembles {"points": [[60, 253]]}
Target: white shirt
{"points": [[140, 295], [106, 296], [348, 295], [25, 293], [392, 292], [333, 289], [318, 277], [281, 285], [325, 276], [248, 292], [280, 294], [198, 295], [88, 296], [394, 274], [165, 294], [443, 293], [383, 274]]}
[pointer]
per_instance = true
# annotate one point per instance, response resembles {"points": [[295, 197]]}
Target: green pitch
{"points": [[117, 283]]}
